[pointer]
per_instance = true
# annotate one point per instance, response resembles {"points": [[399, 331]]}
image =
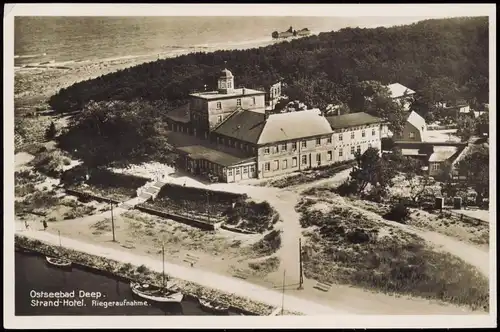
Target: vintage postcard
{"points": [[250, 165]]}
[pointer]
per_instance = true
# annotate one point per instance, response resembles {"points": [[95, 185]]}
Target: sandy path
{"points": [[208, 279]]}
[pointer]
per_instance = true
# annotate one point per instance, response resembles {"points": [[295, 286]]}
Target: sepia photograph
{"points": [[271, 161]]}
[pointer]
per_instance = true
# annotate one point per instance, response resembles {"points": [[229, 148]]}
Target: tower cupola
{"points": [[226, 82]]}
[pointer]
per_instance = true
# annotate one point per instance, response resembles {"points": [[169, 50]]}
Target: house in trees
{"points": [[414, 130], [228, 134], [402, 94]]}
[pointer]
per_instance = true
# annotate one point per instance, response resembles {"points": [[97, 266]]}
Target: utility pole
{"points": [[301, 276], [112, 222], [208, 207], [283, 294]]}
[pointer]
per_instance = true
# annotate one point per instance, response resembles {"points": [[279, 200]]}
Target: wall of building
{"points": [[291, 156], [406, 134], [241, 172], [349, 140], [218, 114]]}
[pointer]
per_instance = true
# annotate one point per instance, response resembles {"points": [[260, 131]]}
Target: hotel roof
{"points": [[398, 90], [243, 125], [253, 127], [214, 95], [443, 153], [352, 120], [294, 125]]}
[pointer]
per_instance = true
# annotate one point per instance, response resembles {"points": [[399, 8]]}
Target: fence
{"points": [[83, 194], [195, 222]]}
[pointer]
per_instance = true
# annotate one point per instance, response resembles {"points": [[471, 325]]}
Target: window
{"points": [[219, 119], [358, 148], [276, 165], [267, 166], [284, 164], [318, 158], [294, 162], [266, 150], [276, 149], [352, 149], [238, 171], [352, 135], [373, 132], [229, 85], [363, 134], [329, 155], [223, 85], [318, 141], [340, 137], [252, 169], [412, 134], [230, 172], [304, 160], [283, 147], [245, 170], [253, 100], [435, 166], [329, 140], [238, 102], [219, 105], [294, 146], [304, 144], [340, 152]]}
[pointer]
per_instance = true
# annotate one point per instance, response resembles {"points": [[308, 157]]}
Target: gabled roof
{"points": [[243, 125], [416, 120], [398, 90], [352, 120], [293, 125], [444, 153]]}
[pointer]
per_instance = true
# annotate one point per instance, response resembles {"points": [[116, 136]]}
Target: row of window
{"points": [[246, 169], [303, 160], [235, 144], [238, 103], [284, 146]]}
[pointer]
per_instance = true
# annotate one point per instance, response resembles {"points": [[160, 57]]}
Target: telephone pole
{"points": [[112, 223], [301, 276]]}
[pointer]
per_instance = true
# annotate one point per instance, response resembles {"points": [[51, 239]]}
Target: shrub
{"points": [[347, 188], [399, 213], [269, 244]]}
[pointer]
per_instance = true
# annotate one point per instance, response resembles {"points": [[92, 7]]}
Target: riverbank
{"points": [[130, 269]]}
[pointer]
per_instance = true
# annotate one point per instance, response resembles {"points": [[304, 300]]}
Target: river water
{"points": [[32, 273]]}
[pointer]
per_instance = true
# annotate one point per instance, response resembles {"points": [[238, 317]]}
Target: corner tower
{"points": [[225, 83]]}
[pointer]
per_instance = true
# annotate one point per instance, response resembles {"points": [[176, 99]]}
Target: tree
{"points": [[374, 98], [475, 168], [117, 131], [51, 131], [466, 128], [372, 170]]}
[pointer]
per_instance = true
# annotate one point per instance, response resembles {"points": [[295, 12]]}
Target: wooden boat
{"points": [[58, 262], [163, 294], [155, 293], [213, 306]]}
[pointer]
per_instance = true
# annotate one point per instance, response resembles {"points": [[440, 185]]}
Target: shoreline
{"points": [[116, 269], [232, 289]]}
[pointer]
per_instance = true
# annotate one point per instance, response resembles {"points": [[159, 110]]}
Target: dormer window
{"points": [[223, 84], [229, 85], [219, 105]]}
